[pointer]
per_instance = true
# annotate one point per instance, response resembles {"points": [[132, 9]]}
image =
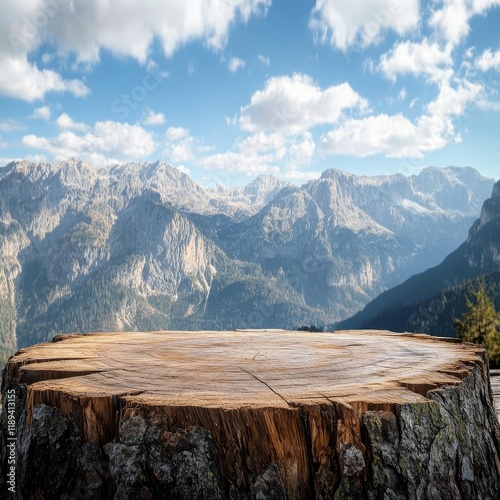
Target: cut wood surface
{"points": [[244, 368], [238, 369], [295, 399]]}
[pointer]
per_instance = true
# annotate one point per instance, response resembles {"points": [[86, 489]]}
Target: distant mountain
{"points": [[428, 302], [142, 246], [343, 239]]}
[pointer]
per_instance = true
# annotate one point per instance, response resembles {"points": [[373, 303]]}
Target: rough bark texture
{"points": [[250, 415], [495, 387]]}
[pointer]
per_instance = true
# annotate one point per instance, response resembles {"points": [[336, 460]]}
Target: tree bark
{"points": [[250, 414]]}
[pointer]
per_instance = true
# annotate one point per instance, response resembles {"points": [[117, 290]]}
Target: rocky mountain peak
{"points": [[496, 190], [335, 173], [483, 244], [263, 183]]}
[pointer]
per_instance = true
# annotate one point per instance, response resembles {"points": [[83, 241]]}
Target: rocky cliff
{"points": [[429, 301]]}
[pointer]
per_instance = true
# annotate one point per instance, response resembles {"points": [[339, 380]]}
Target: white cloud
{"points": [[184, 169], [85, 27], [302, 151], [453, 101], [450, 19], [264, 60], [240, 163], [127, 29], [105, 142], [418, 58], [395, 136], [42, 112], [152, 118], [489, 60], [261, 142], [21, 79], [181, 146], [362, 23], [264, 153], [293, 173], [65, 122], [10, 125], [176, 133], [294, 104], [6, 161], [235, 64]]}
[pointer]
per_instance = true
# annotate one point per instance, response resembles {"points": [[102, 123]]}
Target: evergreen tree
{"points": [[480, 323]]}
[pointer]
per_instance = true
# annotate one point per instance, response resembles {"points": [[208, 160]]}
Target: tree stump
{"points": [[251, 414]]}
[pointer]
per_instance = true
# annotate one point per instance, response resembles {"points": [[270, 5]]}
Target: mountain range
{"points": [[142, 246], [429, 301]]}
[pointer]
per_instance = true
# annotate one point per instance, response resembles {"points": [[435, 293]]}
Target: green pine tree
{"points": [[480, 323]]}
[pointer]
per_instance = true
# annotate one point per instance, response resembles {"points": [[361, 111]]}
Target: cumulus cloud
{"points": [[181, 146], [489, 60], [176, 133], [65, 122], [21, 79], [395, 136], [104, 143], [294, 104], [418, 58], [294, 174], [152, 118], [450, 19], [235, 64], [262, 153], [301, 151], [42, 112], [85, 27], [452, 101], [262, 142], [237, 162], [362, 23]]}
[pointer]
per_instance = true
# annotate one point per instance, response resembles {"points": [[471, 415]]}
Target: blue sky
{"points": [[229, 89]]}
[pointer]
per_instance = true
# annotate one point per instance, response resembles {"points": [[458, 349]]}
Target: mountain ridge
{"points": [[160, 251], [477, 258]]}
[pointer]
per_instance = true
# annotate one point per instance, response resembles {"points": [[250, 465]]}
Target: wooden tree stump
{"points": [[348, 414]]}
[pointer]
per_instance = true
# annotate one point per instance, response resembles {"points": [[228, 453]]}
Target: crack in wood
{"points": [[267, 385]]}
